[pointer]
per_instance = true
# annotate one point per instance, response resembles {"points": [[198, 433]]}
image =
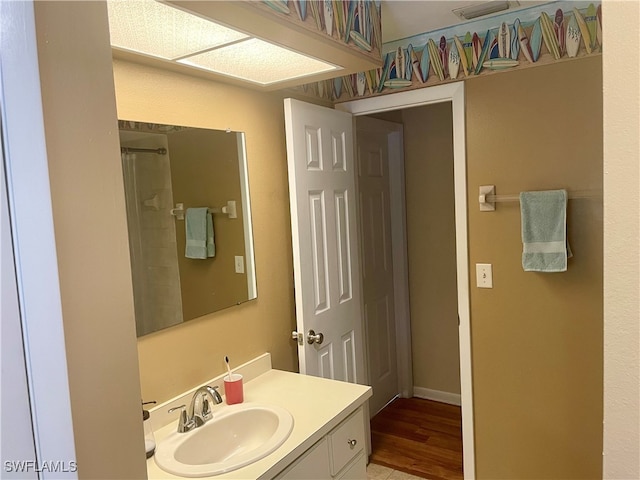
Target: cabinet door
{"points": [[347, 440], [312, 465], [356, 471]]}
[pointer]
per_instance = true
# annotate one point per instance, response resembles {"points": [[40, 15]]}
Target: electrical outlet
{"points": [[484, 275], [239, 264]]}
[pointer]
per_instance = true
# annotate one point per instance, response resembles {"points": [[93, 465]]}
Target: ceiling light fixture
{"points": [[161, 31], [257, 61], [158, 30], [486, 8]]}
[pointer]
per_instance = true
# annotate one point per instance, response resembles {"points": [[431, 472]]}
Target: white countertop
{"points": [[316, 404]]}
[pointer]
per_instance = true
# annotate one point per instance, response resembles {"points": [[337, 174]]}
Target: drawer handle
{"points": [[352, 443]]}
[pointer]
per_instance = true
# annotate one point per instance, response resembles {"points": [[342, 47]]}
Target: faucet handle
{"points": [[184, 424], [183, 407]]}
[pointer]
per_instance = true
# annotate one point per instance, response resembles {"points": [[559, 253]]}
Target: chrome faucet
{"points": [[199, 409]]}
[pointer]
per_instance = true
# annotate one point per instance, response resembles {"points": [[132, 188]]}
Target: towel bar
{"points": [[157, 151], [229, 209], [488, 198]]}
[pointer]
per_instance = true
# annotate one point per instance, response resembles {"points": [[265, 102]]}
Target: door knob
{"points": [[313, 337]]}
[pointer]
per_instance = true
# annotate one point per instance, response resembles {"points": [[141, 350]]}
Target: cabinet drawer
{"points": [[346, 440]]}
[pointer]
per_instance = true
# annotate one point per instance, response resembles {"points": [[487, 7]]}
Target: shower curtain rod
{"points": [[158, 151]]}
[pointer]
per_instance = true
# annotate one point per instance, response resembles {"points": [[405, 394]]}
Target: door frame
{"points": [[34, 247], [454, 93]]}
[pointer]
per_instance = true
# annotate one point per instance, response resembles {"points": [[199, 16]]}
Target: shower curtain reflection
{"points": [[152, 236]]}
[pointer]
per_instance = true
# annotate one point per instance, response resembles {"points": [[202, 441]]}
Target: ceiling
{"points": [[406, 18]]}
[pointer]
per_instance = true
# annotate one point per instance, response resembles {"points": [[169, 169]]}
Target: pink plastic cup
{"points": [[233, 391]]}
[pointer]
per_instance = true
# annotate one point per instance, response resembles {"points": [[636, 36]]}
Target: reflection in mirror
{"points": [[188, 213]]}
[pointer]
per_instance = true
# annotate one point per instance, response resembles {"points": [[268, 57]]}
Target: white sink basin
{"points": [[236, 436]]}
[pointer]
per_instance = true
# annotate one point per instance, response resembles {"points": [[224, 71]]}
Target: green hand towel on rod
{"points": [[199, 233], [544, 231]]}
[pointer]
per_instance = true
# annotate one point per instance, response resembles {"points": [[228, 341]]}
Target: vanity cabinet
{"points": [[329, 437], [338, 455]]}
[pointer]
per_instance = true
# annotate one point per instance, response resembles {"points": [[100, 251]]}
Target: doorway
{"points": [[453, 93], [413, 224], [378, 158], [419, 434]]}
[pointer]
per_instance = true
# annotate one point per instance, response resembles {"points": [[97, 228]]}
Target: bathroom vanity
{"points": [[330, 433]]}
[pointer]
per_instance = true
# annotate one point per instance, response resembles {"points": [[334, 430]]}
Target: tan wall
{"points": [[428, 149], [537, 338], [176, 359], [91, 238], [205, 173]]}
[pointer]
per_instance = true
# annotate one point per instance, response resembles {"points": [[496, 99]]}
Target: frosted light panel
{"points": [[151, 28], [257, 61]]}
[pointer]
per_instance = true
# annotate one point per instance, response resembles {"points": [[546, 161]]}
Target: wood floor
{"points": [[419, 437]]}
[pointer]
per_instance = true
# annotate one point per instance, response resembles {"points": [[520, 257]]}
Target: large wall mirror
{"points": [[189, 219]]}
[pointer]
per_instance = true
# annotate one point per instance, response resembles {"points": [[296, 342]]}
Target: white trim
{"points": [[454, 93], [34, 241], [400, 100], [19, 445], [438, 396], [250, 260]]}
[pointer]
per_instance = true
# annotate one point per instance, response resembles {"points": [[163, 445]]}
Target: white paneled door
{"points": [[325, 241], [372, 165]]}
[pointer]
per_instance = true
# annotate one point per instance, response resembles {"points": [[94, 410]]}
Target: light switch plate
{"points": [[484, 275], [239, 264]]}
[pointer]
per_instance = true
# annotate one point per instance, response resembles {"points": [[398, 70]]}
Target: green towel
{"points": [[544, 231], [199, 233]]}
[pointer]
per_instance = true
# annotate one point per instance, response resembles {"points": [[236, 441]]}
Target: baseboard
{"points": [[438, 396]]}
